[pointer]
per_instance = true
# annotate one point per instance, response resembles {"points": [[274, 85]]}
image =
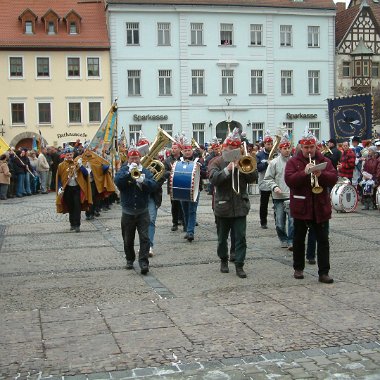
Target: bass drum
{"points": [[184, 181], [344, 197], [378, 198]]}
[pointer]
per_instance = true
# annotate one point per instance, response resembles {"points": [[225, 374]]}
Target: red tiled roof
{"points": [[93, 29], [308, 4]]}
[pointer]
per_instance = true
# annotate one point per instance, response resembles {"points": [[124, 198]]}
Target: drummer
{"points": [[310, 209]]}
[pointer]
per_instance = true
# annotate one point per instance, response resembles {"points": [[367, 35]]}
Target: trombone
{"points": [[246, 165], [315, 187]]}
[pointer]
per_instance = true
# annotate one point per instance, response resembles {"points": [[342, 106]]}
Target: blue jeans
{"points": [[281, 216], [20, 191], [27, 183], [190, 215], [152, 224]]}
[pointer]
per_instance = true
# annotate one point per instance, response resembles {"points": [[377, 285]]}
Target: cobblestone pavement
{"points": [[70, 310]]}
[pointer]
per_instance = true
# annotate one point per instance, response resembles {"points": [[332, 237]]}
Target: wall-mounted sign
{"points": [[149, 117], [301, 115], [71, 134]]}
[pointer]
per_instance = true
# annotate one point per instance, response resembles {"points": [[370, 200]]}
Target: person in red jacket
{"points": [[346, 165], [372, 166], [310, 209]]}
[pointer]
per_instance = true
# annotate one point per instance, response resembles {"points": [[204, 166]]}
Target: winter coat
{"points": [[372, 166], [42, 163], [5, 174], [334, 156], [348, 164], [304, 204], [227, 203], [262, 165], [21, 164]]}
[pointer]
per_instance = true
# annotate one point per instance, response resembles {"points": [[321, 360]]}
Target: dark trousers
{"points": [[264, 200], [71, 197], [176, 212], [95, 200], [129, 225], [239, 226], [323, 245]]}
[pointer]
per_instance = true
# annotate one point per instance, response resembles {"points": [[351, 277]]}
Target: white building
{"points": [[190, 66]]}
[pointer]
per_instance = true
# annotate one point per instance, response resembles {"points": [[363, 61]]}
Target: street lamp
{"points": [[210, 124], [2, 132]]}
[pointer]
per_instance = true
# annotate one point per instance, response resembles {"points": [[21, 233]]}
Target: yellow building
{"points": [[55, 77]]}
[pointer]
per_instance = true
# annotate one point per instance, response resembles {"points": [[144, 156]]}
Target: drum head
{"points": [[344, 197], [378, 198]]}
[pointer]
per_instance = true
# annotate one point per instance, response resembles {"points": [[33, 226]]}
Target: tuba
{"points": [[247, 164], [156, 167]]}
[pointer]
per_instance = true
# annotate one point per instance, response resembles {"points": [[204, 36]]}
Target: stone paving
{"points": [[70, 310]]}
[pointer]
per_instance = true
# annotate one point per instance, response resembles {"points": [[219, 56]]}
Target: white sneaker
{"points": [[151, 254]]}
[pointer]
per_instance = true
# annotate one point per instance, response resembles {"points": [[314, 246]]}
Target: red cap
{"points": [[285, 144], [308, 141], [134, 153], [268, 139], [142, 142]]}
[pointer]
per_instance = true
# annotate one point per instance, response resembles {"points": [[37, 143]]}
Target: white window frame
{"points": [[256, 34], [163, 34], [315, 128], [88, 111], [165, 82], [44, 101], [313, 36], [196, 34], [346, 65], [286, 35], [131, 28], [289, 129], [100, 67], [314, 82], [286, 82], [22, 65], [375, 70], [134, 132], [67, 68], [197, 82], [43, 77], [132, 80], [49, 24], [257, 81], [17, 101], [226, 34], [228, 82], [71, 31], [199, 133], [27, 24], [257, 129], [72, 101]]}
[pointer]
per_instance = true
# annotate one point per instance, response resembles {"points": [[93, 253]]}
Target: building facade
{"points": [[261, 65], [55, 77]]}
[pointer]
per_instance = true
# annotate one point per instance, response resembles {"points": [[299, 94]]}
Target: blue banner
{"points": [[350, 116]]}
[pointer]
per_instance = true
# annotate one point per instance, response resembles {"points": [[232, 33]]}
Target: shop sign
{"points": [[301, 116], [149, 117]]}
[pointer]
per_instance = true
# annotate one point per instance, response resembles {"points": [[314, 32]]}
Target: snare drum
{"points": [[344, 197], [184, 181], [378, 198]]}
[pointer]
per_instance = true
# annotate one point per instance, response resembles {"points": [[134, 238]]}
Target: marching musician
{"points": [[73, 188], [231, 208], [333, 153], [134, 189], [310, 204]]}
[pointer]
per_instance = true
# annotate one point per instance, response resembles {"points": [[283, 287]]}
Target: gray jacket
{"points": [[274, 177], [227, 203]]}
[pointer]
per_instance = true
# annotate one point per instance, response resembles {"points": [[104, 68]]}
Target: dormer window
{"points": [[50, 18], [28, 27], [28, 20], [51, 27], [72, 20], [73, 28]]}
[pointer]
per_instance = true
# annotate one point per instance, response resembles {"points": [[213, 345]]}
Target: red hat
{"points": [[267, 137], [233, 139], [308, 138], [185, 144], [133, 151], [215, 143], [284, 142]]}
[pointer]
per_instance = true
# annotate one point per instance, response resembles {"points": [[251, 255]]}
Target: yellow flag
{"points": [[3, 146]]}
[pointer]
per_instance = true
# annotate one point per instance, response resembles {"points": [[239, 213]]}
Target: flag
{"points": [[350, 116], [3, 146], [102, 141], [34, 144]]}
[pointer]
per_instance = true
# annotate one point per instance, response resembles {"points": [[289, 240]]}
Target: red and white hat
{"points": [[267, 137], [184, 141], [308, 138], [284, 142], [233, 139], [133, 151], [215, 143]]}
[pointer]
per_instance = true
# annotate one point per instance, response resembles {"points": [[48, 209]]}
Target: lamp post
{"points": [[2, 128]]}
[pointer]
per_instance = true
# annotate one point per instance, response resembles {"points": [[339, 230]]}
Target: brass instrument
{"points": [[325, 149], [316, 189], [247, 164], [156, 167], [273, 151], [135, 173], [194, 143]]}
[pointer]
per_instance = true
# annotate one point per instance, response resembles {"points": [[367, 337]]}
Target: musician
{"points": [[262, 164], [215, 152], [333, 153], [274, 179], [346, 165], [231, 208], [73, 189], [134, 194], [308, 208]]}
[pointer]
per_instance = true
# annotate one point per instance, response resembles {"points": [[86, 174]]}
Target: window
{"points": [[44, 113], [375, 69], [286, 82], [289, 127], [257, 132], [366, 67], [226, 34], [43, 70], [93, 67], [134, 78], [313, 82], [18, 113], [256, 35], [16, 67], [256, 81], [132, 33], [164, 82], [134, 133], [28, 27], [73, 28], [199, 133], [73, 67], [285, 35], [197, 82], [163, 33], [315, 128], [94, 115], [313, 36], [51, 27], [227, 82], [75, 114], [196, 32], [362, 68], [346, 69]]}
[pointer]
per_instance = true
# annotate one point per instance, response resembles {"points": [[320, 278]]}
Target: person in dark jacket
{"points": [[231, 207], [134, 197], [334, 154], [22, 165], [310, 209]]}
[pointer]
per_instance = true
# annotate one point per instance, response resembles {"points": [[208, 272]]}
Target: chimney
{"points": [[340, 7]]}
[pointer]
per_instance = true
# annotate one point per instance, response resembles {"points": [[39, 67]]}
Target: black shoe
{"points": [[196, 224], [232, 256], [175, 227], [77, 229], [144, 268], [190, 238], [326, 279], [240, 272], [264, 226], [129, 265], [224, 266], [186, 236], [96, 213], [311, 262], [72, 228], [298, 274]]}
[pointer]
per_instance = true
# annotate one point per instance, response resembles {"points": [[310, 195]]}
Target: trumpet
{"points": [[316, 188], [135, 173]]}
